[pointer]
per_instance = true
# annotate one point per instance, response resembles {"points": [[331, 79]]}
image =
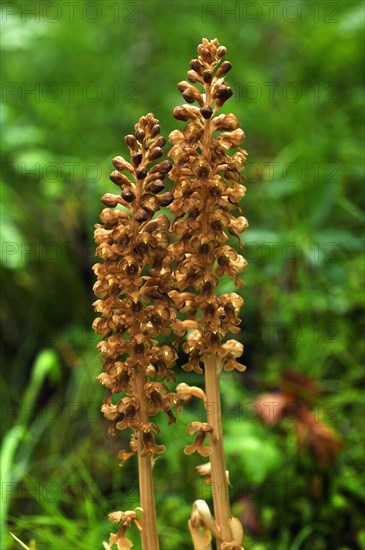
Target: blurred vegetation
{"points": [[76, 77]]}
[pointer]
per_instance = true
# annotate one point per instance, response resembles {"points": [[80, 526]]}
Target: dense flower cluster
{"points": [[132, 285], [208, 188], [155, 279]]}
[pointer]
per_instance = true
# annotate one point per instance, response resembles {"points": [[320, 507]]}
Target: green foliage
{"points": [[298, 94]]}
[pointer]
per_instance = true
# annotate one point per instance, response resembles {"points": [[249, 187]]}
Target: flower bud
{"points": [[206, 111], [140, 134], [164, 167], [207, 76], [223, 93], [205, 54], [155, 153], [110, 200], [180, 113], [141, 173], [224, 68], [155, 130], [222, 50], [160, 142], [188, 95], [196, 65], [184, 112], [193, 76], [119, 179], [120, 164], [183, 85], [128, 195], [155, 187], [131, 142], [165, 199], [137, 158]]}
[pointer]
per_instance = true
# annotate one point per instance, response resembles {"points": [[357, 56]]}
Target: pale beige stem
{"points": [[222, 511], [145, 465], [220, 492]]}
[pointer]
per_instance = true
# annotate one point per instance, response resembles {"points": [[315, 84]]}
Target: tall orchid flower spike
{"points": [[207, 165]]}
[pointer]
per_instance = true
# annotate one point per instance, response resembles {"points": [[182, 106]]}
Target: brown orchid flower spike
{"points": [[132, 284], [208, 188]]}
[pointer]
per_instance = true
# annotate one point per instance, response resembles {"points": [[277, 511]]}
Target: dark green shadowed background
{"points": [[76, 77]]}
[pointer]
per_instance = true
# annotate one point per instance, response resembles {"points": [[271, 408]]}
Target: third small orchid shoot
{"points": [[161, 277]]}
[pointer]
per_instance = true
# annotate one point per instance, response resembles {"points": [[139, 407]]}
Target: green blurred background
{"points": [[76, 77]]}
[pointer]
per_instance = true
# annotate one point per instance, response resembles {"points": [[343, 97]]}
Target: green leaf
{"points": [[256, 454]]}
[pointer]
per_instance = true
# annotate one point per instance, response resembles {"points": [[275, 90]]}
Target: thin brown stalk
{"points": [[145, 467], [222, 510]]}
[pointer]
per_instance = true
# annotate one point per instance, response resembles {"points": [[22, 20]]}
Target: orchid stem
{"points": [[145, 466], [220, 492]]}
